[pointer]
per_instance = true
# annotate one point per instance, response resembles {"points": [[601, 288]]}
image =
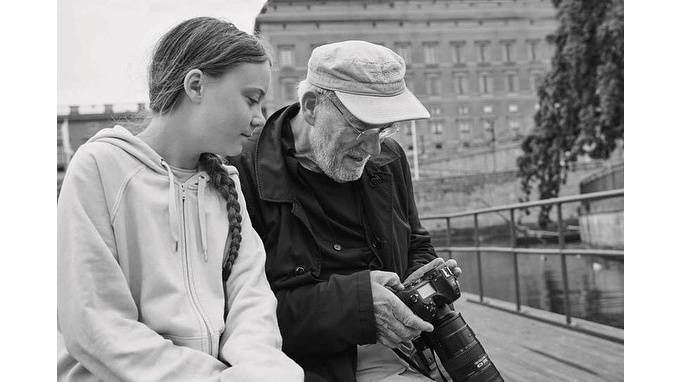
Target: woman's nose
{"points": [[258, 119]]}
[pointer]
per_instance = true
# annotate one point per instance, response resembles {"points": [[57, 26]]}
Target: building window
{"points": [[463, 110], [433, 84], [513, 108], [487, 109], [437, 127], [286, 55], [464, 129], [514, 125], [438, 145], [488, 125], [409, 148], [430, 49], [532, 47], [512, 82], [536, 79], [485, 84], [482, 51], [404, 50], [408, 131], [508, 47], [460, 84], [289, 88], [457, 49], [435, 110]]}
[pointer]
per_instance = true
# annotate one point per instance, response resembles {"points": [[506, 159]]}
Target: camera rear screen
{"points": [[426, 291]]}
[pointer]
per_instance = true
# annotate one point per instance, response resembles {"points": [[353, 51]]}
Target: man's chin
{"points": [[346, 175]]}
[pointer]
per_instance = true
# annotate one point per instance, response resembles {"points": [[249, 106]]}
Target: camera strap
{"points": [[414, 364]]}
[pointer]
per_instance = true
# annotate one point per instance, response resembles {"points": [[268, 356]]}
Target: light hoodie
{"points": [[140, 293]]}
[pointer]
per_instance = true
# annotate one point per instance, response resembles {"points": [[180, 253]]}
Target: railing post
{"points": [[448, 232], [515, 265], [479, 261], [565, 280]]}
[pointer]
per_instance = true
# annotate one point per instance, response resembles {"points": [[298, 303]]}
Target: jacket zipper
{"points": [[192, 294]]}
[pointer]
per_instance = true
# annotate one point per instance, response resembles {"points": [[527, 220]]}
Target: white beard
{"points": [[325, 156]]}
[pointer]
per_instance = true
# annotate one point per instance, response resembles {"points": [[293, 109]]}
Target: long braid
{"points": [[222, 183]]}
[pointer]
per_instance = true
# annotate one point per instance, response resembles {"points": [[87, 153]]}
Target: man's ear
{"points": [[193, 85], [308, 107]]}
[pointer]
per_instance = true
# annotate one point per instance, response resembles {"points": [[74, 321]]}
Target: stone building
{"points": [[474, 64]]}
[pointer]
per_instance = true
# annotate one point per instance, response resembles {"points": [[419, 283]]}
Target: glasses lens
{"points": [[388, 132]]}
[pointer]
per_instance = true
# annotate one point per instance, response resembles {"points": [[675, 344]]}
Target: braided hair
{"points": [[222, 183]]}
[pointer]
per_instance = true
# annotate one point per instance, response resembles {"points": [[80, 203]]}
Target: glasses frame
{"points": [[362, 133]]}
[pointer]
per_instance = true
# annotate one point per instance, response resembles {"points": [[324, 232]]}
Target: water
{"points": [[595, 283]]}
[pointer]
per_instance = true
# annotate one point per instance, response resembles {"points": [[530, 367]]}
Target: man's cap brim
{"points": [[376, 110]]}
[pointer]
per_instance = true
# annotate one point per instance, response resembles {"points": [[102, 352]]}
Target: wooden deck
{"points": [[526, 350]]}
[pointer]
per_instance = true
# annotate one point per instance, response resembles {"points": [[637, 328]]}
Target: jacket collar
{"points": [[275, 142]]}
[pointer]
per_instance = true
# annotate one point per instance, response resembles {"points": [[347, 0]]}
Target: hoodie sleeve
{"points": [[252, 340], [97, 314]]}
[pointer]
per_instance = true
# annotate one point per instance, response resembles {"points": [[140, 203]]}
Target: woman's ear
{"points": [[193, 85], [308, 105]]}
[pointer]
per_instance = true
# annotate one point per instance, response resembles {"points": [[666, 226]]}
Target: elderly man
{"points": [[331, 196]]}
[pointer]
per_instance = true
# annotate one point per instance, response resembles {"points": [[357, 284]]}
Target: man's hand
{"points": [[418, 273], [395, 322]]}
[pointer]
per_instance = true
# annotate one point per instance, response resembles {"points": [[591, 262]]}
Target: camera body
{"points": [[428, 294], [430, 297]]}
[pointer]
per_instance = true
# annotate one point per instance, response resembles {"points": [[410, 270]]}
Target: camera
{"points": [[430, 296]]}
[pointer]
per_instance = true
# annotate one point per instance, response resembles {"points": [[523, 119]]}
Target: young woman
{"points": [[160, 273]]}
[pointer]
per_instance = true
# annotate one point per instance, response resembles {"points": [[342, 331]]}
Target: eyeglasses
{"points": [[363, 131]]}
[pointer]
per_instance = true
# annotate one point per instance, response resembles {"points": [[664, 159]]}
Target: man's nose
{"points": [[371, 144]]}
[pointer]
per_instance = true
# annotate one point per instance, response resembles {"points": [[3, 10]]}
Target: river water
{"points": [[595, 283]]}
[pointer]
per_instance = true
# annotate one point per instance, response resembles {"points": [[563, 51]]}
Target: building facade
{"points": [[474, 64]]}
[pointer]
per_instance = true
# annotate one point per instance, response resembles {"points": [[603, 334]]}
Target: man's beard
{"points": [[324, 151]]}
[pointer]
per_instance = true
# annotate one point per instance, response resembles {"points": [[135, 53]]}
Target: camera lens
{"points": [[460, 352]]}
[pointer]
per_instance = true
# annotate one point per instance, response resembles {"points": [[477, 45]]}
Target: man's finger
{"points": [[406, 316], [418, 273], [451, 263], [389, 279], [389, 338]]}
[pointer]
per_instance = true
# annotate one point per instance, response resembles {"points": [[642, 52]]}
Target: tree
{"points": [[580, 100]]}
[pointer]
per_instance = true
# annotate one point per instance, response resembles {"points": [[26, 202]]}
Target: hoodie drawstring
{"points": [[201, 215], [172, 206]]}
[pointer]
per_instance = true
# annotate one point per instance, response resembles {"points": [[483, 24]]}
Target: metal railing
{"points": [[515, 251]]}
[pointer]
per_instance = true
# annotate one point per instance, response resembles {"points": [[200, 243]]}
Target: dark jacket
{"points": [[322, 320]]}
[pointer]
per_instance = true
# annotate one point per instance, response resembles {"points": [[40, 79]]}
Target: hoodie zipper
{"points": [[192, 293]]}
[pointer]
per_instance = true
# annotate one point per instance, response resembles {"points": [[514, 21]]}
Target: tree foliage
{"points": [[580, 100]]}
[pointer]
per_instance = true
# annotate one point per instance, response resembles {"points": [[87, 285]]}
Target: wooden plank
{"points": [[528, 350]]}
